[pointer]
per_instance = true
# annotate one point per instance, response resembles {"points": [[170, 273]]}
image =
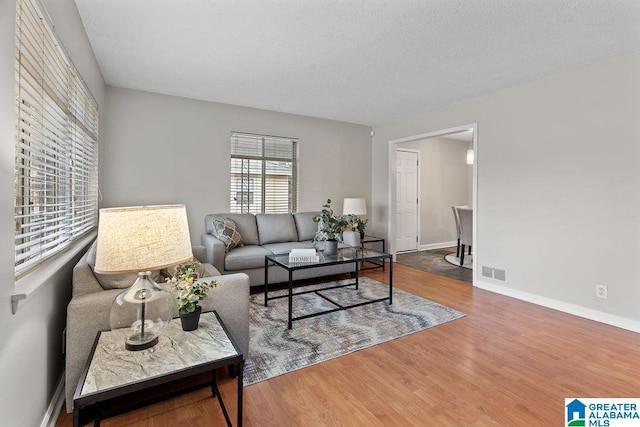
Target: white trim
{"points": [[576, 310], [51, 416], [431, 246], [34, 280], [391, 228]]}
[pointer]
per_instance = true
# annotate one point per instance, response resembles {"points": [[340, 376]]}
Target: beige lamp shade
{"points": [[354, 207], [142, 238]]}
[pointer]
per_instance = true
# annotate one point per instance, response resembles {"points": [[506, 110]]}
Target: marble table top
{"points": [[114, 366]]}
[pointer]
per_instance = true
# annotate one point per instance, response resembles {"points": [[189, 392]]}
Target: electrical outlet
{"points": [[601, 291]]}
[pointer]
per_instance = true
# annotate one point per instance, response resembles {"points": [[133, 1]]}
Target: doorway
{"points": [[407, 200], [397, 235]]}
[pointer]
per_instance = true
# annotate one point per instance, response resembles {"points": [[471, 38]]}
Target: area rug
{"points": [[275, 350], [453, 259]]}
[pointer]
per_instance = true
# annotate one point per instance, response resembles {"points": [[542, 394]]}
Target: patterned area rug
{"points": [[275, 350]]}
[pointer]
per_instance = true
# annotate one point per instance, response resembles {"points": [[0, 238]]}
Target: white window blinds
{"points": [[56, 182], [264, 174]]}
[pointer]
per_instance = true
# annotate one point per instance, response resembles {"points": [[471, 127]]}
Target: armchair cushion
{"points": [[114, 281], [201, 270]]}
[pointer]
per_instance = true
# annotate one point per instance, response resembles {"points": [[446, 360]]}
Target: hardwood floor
{"points": [[506, 363]]}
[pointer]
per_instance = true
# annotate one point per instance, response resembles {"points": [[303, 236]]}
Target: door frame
{"points": [[412, 150], [391, 218]]}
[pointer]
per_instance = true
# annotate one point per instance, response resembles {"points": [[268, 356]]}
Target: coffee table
{"points": [[343, 256], [116, 380]]}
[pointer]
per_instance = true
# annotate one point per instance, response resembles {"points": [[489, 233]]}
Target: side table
{"points": [[373, 239], [117, 380]]}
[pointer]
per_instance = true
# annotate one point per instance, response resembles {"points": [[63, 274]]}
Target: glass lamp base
{"points": [[137, 342]]}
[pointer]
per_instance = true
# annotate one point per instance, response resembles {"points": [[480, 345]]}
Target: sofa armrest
{"points": [[215, 251], [231, 300], [86, 315]]}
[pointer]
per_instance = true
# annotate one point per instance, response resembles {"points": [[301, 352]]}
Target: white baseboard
{"points": [[440, 245], [576, 310], [51, 416]]}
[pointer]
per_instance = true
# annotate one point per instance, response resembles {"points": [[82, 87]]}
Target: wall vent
{"points": [[500, 274], [487, 272]]}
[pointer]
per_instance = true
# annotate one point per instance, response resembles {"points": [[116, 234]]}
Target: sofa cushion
{"points": [[285, 247], [273, 228], [225, 230], [245, 224], [245, 258], [114, 281], [305, 225]]}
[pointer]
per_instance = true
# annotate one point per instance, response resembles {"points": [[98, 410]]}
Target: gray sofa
{"points": [[264, 234], [93, 294]]}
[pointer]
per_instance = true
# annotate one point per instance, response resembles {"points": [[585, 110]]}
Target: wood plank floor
{"points": [[507, 363]]}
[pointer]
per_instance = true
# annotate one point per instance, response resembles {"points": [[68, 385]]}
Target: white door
{"points": [[407, 201]]}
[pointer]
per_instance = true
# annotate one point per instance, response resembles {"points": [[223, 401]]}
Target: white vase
{"points": [[351, 238]]}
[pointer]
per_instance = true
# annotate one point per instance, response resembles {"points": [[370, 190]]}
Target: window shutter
{"points": [[56, 144]]}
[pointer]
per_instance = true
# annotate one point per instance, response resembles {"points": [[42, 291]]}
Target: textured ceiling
{"points": [[359, 61]]}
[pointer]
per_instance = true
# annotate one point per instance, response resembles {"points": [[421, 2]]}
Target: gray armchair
{"points": [[88, 311]]}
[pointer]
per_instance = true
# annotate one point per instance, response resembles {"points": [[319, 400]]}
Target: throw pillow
{"points": [[226, 232]]}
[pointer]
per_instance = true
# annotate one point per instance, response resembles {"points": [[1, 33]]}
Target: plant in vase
{"points": [[330, 228], [357, 224], [189, 291]]}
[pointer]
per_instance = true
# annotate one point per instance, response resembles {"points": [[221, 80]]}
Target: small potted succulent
{"points": [[189, 291], [330, 228]]}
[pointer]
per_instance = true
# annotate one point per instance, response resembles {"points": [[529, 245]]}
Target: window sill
{"points": [[29, 284]]}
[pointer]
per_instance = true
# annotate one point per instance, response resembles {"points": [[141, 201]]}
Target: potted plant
{"points": [[189, 291], [357, 224], [330, 228]]}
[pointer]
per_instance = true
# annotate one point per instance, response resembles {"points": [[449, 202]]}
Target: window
{"points": [[56, 183], [264, 174]]}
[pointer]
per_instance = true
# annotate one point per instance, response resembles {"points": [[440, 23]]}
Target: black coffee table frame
{"points": [[343, 256]]}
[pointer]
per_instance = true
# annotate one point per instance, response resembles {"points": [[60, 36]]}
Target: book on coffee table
{"points": [[303, 255]]}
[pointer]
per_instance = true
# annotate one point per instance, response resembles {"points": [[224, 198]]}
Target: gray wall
{"points": [[164, 149], [31, 360], [445, 181], [558, 178]]}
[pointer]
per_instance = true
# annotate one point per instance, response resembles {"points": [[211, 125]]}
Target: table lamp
{"points": [[140, 239], [354, 207]]}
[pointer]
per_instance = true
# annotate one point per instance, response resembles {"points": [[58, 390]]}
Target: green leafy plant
{"points": [[357, 224], [330, 226], [188, 290]]}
